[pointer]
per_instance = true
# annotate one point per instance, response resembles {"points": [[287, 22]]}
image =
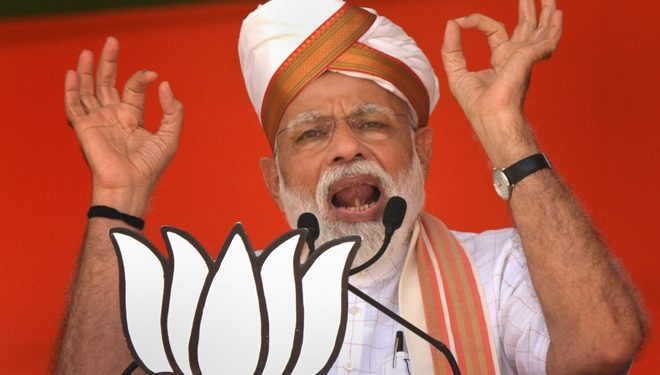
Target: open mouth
{"points": [[357, 198]]}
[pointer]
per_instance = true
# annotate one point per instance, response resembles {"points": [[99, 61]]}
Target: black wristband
{"points": [[111, 213]]}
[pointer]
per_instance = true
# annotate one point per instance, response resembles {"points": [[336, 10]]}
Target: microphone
{"points": [[395, 211], [308, 221]]}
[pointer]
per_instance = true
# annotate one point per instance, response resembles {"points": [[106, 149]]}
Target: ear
{"points": [[423, 145], [269, 172]]}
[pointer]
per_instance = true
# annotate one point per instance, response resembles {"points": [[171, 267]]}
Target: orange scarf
{"points": [[440, 292]]}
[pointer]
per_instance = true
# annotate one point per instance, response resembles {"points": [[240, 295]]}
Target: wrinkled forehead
{"points": [[359, 110]]}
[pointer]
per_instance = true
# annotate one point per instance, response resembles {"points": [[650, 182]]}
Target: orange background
{"points": [[593, 107]]}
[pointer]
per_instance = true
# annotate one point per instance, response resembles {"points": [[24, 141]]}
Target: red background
{"points": [[593, 107]]}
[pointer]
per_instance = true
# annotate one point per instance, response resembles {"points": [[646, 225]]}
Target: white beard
{"points": [[409, 186]]}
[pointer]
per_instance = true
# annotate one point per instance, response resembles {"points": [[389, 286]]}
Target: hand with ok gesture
{"points": [[125, 159], [493, 98]]}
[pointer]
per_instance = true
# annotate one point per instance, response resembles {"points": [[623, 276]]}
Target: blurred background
{"points": [[593, 106]]}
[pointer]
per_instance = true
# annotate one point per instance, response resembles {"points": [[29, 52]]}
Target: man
{"points": [[347, 134]]}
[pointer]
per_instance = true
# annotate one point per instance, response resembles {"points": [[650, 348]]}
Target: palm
{"points": [[120, 152], [491, 90]]}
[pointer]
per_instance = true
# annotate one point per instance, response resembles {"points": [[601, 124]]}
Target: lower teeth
{"points": [[364, 207]]}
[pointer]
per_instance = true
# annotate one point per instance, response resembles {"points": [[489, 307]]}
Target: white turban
{"points": [[285, 44]]}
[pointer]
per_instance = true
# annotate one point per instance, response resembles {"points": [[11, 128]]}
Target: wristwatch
{"points": [[504, 179]]}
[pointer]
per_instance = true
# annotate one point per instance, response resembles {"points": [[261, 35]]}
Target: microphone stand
{"points": [[374, 258], [393, 215], [428, 338]]}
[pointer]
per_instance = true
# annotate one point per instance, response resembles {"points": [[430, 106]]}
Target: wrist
{"points": [[506, 138], [505, 179], [114, 214], [131, 201], [509, 154]]}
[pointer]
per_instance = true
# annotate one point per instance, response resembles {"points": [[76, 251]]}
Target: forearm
{"points": [[92, 338], [594, 320]]}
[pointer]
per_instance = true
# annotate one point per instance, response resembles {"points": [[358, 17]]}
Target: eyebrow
{"points": [[302, 118], [363, 109], [369, 108]]}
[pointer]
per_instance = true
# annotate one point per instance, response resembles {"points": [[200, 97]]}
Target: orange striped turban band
{"points": [[285, 44]]}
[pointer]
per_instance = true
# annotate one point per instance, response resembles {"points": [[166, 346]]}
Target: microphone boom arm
{"points": [[428, 338], [393, 215]]}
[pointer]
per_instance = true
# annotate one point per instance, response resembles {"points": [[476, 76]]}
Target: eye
{"points": [[310, 135], [372, 126]]}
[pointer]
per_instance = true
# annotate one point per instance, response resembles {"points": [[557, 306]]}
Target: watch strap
{"points": [[524, 167]]}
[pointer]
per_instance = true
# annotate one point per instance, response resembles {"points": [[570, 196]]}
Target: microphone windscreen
{"points": [[309, 221], [395, 211]]}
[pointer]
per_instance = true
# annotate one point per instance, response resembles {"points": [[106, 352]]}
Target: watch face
{"points": [[501, 184]]}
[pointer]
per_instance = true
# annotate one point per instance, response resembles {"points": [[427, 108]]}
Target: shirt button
{"points": [[354, 310], [349, 366]]}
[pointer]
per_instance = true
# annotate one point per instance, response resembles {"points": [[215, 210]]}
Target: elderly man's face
{"points": [[379, 133]]}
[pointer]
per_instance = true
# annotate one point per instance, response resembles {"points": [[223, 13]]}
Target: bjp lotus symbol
{"points": [[239, 314]]}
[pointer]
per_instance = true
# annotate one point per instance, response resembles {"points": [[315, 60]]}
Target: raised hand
{"points": [[493, 98], [125, 159]]}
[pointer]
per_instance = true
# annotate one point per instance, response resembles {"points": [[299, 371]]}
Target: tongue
{"points": [[354, 196]]}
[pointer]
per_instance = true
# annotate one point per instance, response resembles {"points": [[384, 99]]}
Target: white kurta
{"points": [[514, 312]]}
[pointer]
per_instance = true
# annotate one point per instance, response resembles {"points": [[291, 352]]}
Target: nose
{"points": [[345, 146]]}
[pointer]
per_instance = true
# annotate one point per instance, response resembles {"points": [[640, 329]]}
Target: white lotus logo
{"points": [[239, 314]]}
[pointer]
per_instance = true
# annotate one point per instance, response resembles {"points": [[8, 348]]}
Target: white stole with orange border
{"points": [[440, 292]]}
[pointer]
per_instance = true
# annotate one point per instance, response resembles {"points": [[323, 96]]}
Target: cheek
{"points": [[300, 174], [396, 159]]}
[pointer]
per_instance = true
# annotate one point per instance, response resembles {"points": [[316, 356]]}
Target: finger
{"points": [[72, 105], [172, 121], [495, 31], [136, 86], [542, 49], [554, 29], [106, 73], [547, 38], [453, 58], [547, 8], [86, 80], [526, 20]]}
